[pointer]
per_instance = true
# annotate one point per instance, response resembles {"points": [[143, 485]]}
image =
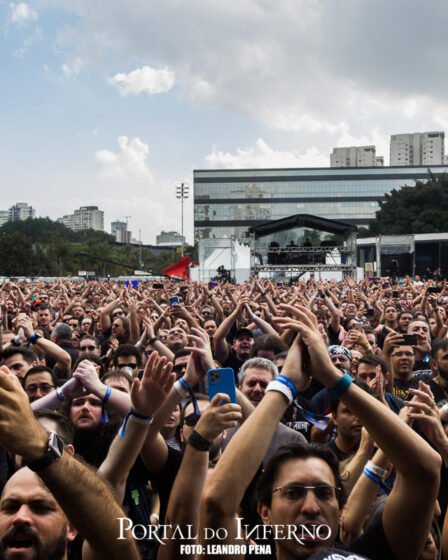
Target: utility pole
{"points": [[182, 192]]}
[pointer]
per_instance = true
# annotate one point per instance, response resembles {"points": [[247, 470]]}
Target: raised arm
{"points": [[85, 499], [221, 346], [117, 400], [147, 396], [51, 349], [105, 322], [183, 507], [225, 490], [409, 508]]}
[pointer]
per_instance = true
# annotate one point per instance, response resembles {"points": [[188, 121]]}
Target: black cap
{"points": [[243, 332]]}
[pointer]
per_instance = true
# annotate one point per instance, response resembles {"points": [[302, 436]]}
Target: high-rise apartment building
{"points": [[4, 217], [20, 211], [86, 217], [355, 156], [120, 231], [419, 148], [170, 239]]}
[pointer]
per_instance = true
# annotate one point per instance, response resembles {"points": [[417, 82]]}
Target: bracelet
{"points": [[33, 338], [152, 340], [282, 388], [142, 418], [199, 442], [107, 395], [377, 480], [341, 386], [60, 394], [104, 416], [181, 391], [286, 381], [378, 471], [186, 387]]}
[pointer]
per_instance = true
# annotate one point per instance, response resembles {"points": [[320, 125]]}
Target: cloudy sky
{"points": [[112, 103]]}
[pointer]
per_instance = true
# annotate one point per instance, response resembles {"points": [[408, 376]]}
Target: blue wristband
{"points": [[341, 386], [286, 381], [104, 416], [136, 414], [377, 480], [194, 402]]}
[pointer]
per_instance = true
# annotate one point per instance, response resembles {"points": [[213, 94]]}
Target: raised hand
{"points": [[149, 393], [218, 417], [87, 375]]}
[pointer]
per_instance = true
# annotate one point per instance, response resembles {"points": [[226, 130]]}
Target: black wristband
{"points": [[152, 340], [199, 442]]}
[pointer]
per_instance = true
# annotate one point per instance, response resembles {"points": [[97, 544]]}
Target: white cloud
{"points": [[129, 161], [72, 68], [144, 80], [21, 14], [261, 155]]}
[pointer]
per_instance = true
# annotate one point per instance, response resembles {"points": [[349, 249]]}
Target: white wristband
{"points": [[382, 473], [281, 388], [182, 392]]}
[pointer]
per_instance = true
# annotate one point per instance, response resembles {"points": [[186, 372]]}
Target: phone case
{"points": [[222, 380]]}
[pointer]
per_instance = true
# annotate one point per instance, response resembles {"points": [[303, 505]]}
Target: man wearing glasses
{"points": [[38, 382], [89, 345], [300, 485]]}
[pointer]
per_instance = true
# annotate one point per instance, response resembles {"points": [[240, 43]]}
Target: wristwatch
{"points": [[54, 451]]}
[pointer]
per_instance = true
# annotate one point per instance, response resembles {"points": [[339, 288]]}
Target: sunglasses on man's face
{"points": [[91, 348]]}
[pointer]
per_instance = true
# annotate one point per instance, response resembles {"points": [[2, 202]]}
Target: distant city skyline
{"points": [[105, 105]]}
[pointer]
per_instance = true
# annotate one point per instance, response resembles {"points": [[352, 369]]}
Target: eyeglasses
{"points": [[297, 492], [192, 419], [90, 348], [128, 364], [44, 388]]}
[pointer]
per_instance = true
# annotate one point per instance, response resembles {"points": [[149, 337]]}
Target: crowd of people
{"points": [[335, 446]]}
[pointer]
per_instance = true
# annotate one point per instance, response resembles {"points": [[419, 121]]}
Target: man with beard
{"points": [[439, 368], [39, 513], [301, 488]]}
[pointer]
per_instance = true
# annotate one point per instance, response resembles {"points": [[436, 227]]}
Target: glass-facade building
{"points": [[228, 202]]}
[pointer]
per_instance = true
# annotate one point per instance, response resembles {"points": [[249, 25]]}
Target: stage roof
{"points": [[302, 220]]}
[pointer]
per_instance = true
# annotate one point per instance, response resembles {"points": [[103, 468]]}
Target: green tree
{"points": [[419, 209]]}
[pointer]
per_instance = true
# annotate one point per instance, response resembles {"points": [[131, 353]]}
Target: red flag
{"points": [[179, 270]]}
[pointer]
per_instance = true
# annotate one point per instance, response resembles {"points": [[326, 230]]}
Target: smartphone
{"points": [[174, 299], [370, 313], [356, 327], [434, 290], [157, 286], [409, 340], [222, 380], [395, 294]]}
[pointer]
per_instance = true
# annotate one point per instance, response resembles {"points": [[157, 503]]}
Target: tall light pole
{"points": [[182, 192]]}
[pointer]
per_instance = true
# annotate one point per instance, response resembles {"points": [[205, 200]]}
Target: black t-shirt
{"points": [[294, 419], [372, 545], [233, 362]]}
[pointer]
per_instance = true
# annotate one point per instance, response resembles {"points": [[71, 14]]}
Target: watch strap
{"points": [[54, 451]]}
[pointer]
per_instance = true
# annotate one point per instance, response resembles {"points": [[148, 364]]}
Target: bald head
{"points": [[32, 524]]}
